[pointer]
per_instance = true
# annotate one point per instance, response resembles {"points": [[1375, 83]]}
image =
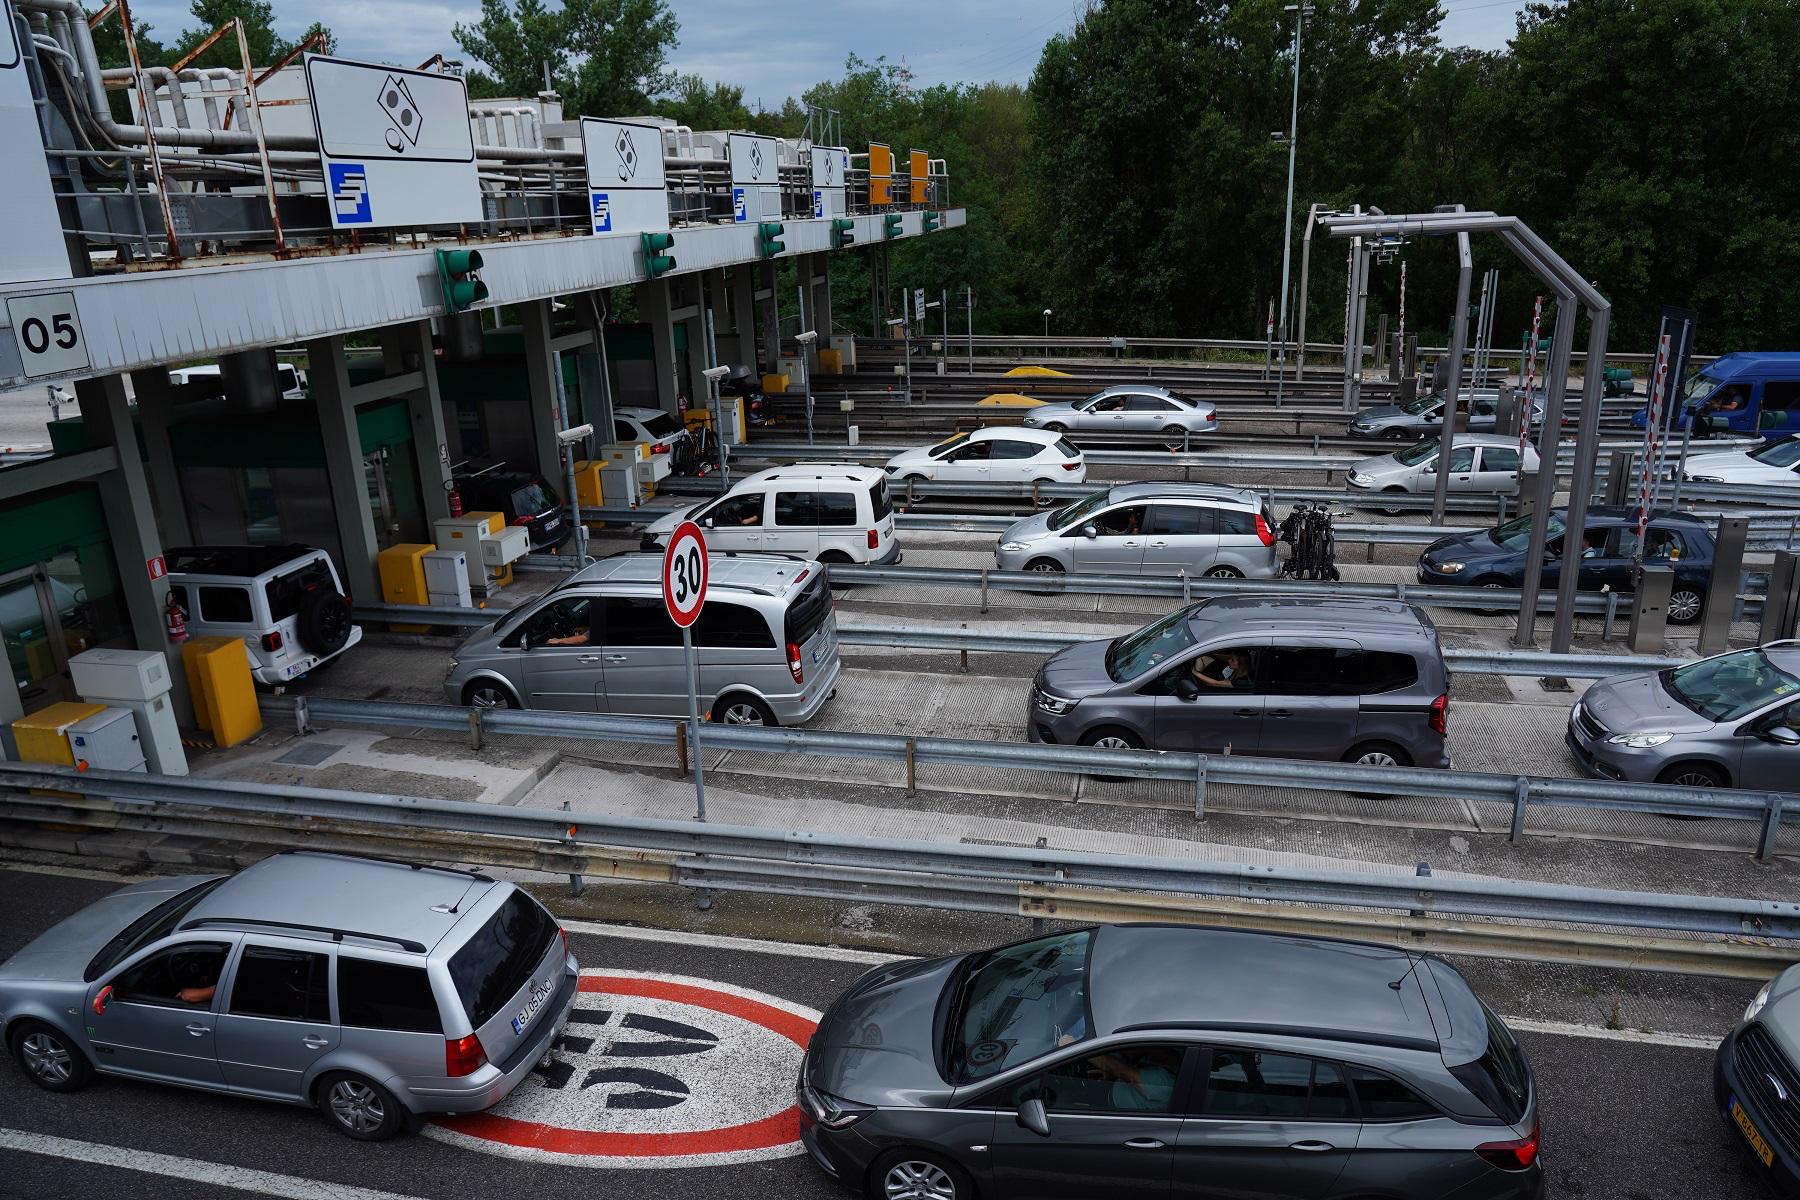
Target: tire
{"points": [[1693, 774], [488, 693], [1047, 567], [835, 558], [1391, 491], [1054, 427], [1112, 737], [917, 1175], [1397, 435], [740, 708], [1223, 573], [49, 1057], [323, 623], [1377, 754], [360, 1108], [1685, 604]]}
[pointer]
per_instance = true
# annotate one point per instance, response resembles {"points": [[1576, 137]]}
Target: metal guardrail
{"points": [[1199, 771], [1551, 922]]}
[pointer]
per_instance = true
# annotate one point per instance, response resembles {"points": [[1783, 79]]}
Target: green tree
{"points": [[605, 57], [259, 33]]}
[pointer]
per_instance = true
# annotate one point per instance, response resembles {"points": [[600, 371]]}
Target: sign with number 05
{"points": [[48, 332], [684, 574]]}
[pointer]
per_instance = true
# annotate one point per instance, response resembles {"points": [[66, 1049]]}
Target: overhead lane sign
{"points": [[627, 190], [397, 146]]}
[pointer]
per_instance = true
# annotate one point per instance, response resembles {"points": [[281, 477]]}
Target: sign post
{"points": [[684, 592]]}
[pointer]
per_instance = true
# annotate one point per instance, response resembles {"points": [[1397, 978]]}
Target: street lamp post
{"points": [[1046, 322], [1301, 12]]}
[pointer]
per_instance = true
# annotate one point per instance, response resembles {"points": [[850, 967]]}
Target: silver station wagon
{"points": [[1149, 529], [376, 991]]}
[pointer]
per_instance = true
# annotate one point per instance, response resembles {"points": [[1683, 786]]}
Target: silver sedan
{"points": [[1424, 415], [1128, 408]]}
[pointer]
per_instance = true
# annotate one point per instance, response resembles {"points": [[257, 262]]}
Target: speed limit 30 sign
{"points": [[684, 574]]}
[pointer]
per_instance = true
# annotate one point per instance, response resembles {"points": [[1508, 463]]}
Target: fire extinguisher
{"points": [[455, 498], [176, 619]]}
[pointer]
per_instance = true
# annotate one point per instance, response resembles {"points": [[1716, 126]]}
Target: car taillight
{"points": [[521, 520], [659, 449], [1515, 1155], [463, 1056], [1263, 533], [272, 641], [794, 662], [1072, 466], [1440, 712], [874, 538], [564, 935]]}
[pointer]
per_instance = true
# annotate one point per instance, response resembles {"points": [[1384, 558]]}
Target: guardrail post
{"points": [[577, 884], [1037, 923], [1187, 593], [1521, 796], [1771, 828], [1035, 502], [984, 599], [302, 726], [1200, 788], [1423, 871], [912, 767], [963, 663], [909, 490], [1612, 610], [681, 748], [474, 729]]}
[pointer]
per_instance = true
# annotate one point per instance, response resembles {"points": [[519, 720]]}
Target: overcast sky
{"points": [[778, 48]]}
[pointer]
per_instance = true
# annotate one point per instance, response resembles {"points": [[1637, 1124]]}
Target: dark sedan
{"points": [[1132, 1060], [522, 498], [1495, 558]]}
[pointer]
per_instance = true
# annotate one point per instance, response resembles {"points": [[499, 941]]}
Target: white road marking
{"points": [[716, 941], [1685, 1041], [224, 1175]]}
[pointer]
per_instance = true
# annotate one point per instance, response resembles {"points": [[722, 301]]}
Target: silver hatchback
{"points": [[376, 991], [1149, 529], [1732, 720], [765, 644]]}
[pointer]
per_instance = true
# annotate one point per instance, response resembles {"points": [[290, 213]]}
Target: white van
{"points": [[834, 512]]}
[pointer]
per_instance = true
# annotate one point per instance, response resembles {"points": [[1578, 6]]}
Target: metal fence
{"points": [[1484, 916]]}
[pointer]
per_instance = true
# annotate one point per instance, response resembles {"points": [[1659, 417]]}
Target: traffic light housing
{"points": [[459, 275], [656, 259], [843, 232], [890, 226], [767, 234], [929, 222]]}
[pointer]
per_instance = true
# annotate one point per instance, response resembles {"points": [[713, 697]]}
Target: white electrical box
{"points": [[159, 734], [104, 675], [108, 741], [621, 486], [465, 534], [447, 578], [845, 345], [512, 543]]}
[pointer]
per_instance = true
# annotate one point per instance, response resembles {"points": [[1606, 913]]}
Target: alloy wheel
{"points": [[1377, 758], [487, 697], [47, 1058], [914, 1179], [1694, 777], [1113, 741], [742, 713], [1684, 606], [355, 1106]]}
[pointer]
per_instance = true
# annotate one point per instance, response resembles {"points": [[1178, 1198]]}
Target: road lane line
{"points": [[1685, 1041], [243, 1179]]}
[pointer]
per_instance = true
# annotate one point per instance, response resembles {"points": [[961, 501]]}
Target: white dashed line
{"points": [[1685, 1041], [242, 1179]]}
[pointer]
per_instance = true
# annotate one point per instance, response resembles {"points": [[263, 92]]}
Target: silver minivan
{"points": [[765, 644], [1148, 529], [376, 991]]}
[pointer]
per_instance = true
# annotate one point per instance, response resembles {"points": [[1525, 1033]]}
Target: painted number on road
{"points": [[653, 1071], [48, 333], [684, 574]]}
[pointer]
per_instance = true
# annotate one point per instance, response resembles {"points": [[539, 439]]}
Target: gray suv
{"points": [[1273, 676], [1149, 529], [1732, 720], [601, 641], [375, 991], [1128, 1059]]}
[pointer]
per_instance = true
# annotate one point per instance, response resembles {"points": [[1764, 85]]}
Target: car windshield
{"points": [[152, 926], [660, 426], [1730, 686], [1412, 456], [1078, 510], [1421, 403], [1778, 454], [949, 444], [1699, 385], [1132, 655], [1516, 533], [1016, 1003]]}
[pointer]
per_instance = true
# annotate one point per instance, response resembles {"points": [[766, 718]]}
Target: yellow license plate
{"points": [[1748, 1128]]}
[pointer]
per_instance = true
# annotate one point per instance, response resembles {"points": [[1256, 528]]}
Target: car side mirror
{"points": [[1090, 530], [1186, 688], [1033, 1117], [1781, 735], [708, 522], [102, 998]]}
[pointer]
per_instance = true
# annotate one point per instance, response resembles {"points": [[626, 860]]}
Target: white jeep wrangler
{"points": [[285, 602]]}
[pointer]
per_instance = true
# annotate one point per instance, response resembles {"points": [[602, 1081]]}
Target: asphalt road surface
{"points": [[669, 1084]]}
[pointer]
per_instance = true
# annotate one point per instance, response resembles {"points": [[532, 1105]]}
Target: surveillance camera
{"points": [[807, 338], [569, 437], [716, 372]]}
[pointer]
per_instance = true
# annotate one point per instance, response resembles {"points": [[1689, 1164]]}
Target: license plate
{"points": [[552, 526], [1748, 1128], [540, 992]]}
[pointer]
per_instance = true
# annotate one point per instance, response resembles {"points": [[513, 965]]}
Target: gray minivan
{"points": [[601, 641], [1149, 529], [1336, 678], [376, 991]]}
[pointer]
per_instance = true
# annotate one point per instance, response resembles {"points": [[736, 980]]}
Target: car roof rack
{"points": [[1393, 1040], [466, 873], [336, 935]]}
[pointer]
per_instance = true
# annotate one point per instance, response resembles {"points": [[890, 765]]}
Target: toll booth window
{"points": [[226, 605]]}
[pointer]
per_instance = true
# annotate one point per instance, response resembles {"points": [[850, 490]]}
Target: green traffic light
{"points": [[766, 235], [655, 261], [843, 232], [457, 279]]}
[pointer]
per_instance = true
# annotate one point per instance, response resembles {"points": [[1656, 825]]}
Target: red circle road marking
{"points": [[780, 1129]]}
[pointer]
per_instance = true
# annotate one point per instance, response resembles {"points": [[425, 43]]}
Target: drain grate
{"points": [[310, 754]]}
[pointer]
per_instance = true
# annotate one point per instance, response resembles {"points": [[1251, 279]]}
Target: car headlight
{"points": [[1639, 741], [831, 1111], [1358, 478], [1054, 704], [1704, 479], [1014, 547], [1759, 1003], [1448, 568]]}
